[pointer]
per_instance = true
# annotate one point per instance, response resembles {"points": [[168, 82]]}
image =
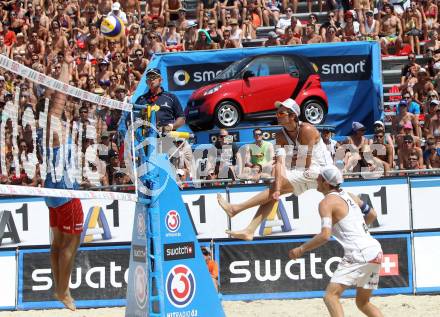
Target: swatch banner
{"points": [[350, 75], [257, 269], [98, 274]]}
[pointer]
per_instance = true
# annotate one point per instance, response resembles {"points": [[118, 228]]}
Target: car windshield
{"points": [[232, 70]]}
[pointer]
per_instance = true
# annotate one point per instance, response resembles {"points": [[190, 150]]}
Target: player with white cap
{"points": [[345, 216], [300, 153]]}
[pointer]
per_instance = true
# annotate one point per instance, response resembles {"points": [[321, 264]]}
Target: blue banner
{"points": [[350, 76]]}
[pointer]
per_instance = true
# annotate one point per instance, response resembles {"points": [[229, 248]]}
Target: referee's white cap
{"points": [[332, 175]]}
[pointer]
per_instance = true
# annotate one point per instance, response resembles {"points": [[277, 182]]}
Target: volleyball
{"points": [[112, 27]]}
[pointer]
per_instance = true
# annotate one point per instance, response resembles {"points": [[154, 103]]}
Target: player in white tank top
{"points": [[312, 155], [343, 215]]}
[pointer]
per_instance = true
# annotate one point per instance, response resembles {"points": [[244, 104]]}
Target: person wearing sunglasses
{"points": [[408, 150], [140, 63], [299, 156], [260, 152]]}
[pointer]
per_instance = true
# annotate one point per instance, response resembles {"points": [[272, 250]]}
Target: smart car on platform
{"points": [[247, 90]]}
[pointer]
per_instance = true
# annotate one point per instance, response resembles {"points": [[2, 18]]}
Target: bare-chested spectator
{"points": [[171, 9], [429, 116], [91, 15], [19, 46], [331, 36], [271, 11], [59, 40], [311, 36], [39, 29], [63, 19], [154, 9], [290, 37], [422, 86], [409, 150], [227, 42], [133, 7], [43, 18], [140, 63], [390, 30], [382, 150]]}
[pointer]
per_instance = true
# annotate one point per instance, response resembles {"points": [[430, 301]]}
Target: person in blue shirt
{"points": [[413, 106]]}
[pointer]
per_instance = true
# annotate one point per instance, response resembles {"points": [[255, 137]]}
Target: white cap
{"points": [[422, 70], [289, 103], [116, 6], [378, 122], [332, 175]]}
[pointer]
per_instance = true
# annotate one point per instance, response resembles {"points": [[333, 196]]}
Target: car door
{"points": [[273, 79]]}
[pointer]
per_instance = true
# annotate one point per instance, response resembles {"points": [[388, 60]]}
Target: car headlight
{"points": [[212, 90]]}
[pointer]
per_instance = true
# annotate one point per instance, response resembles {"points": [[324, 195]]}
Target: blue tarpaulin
{"points": [[350, 75]]}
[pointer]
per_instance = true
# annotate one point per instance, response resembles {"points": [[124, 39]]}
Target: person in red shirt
{"points": [[212, 266], [8, 35]]}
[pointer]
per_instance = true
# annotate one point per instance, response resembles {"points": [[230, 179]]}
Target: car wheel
{"points": [[227, 114], [313, 111]]}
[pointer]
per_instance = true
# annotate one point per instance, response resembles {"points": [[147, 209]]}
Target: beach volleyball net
{"points": [[60, 141]]}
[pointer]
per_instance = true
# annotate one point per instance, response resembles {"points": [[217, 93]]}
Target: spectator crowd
{"points": [[62, 39]]}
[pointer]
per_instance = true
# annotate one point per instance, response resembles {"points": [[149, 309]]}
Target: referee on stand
{"points": [[170, 115]]}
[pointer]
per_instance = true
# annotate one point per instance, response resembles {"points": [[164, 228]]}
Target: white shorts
{"points": [[364, 275], [303, 180]]}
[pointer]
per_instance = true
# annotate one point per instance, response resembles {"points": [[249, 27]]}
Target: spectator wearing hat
{"points": [[190, 36], [403, 116], [170, 115], [429, 116], [236, 32], [408, 152], [311, 36], [350, 28], [379, 126], [370, 27], [19, 46], [182, 21], [272, 40], [391, 30], [117, 12], [357, 139]]}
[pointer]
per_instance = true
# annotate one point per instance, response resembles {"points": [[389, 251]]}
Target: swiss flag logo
{"points": [[390, 265]]}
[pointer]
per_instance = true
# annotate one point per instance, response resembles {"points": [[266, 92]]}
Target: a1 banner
{"points": [[425, 214], [25, 221], [99, 278], [387, 196], [262, 269]]}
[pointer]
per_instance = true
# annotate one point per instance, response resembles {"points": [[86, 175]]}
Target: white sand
{"points": [[398, 306]]}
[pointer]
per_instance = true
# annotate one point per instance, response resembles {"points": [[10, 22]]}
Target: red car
{"points": [[248, 89]]}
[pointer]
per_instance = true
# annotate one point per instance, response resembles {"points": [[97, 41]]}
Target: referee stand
{"points": [[168, 275]]}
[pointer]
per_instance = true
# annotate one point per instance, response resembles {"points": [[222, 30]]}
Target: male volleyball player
{"points": [[342, 215], [302, 143], [65, 214]]}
